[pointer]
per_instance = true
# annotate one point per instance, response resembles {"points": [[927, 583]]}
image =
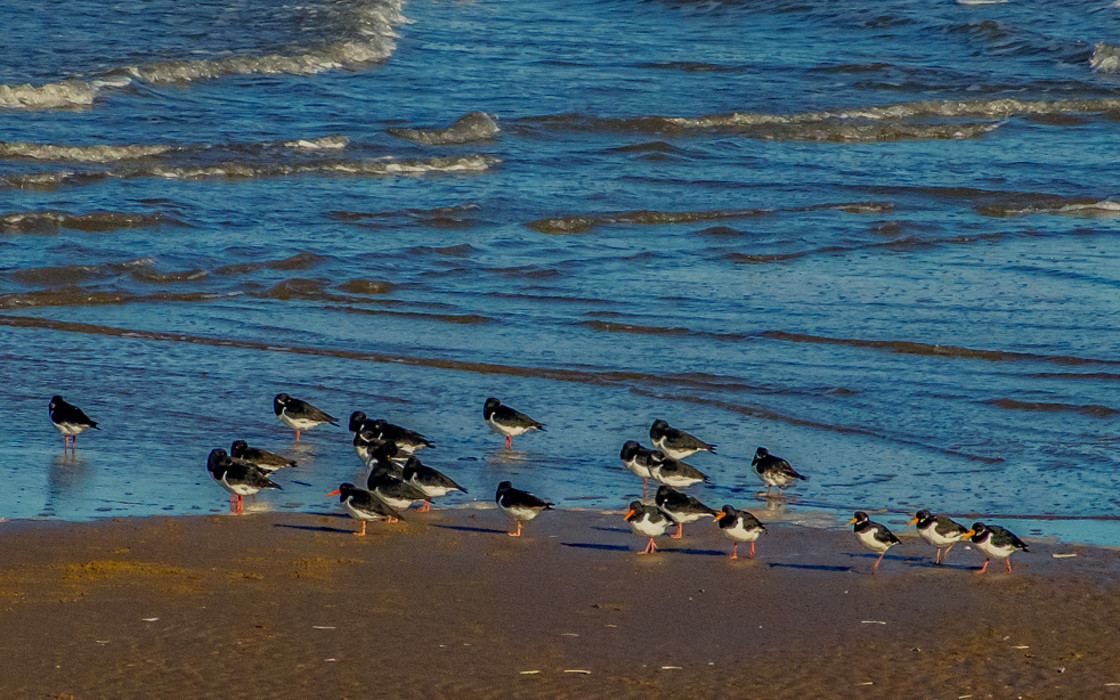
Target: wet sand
{"points": [[445, 604]]}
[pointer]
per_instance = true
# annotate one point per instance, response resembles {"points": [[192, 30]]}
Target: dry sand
{"points": [[446, 605]]}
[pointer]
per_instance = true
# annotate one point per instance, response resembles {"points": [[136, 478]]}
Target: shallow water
{"points": [[881, 244]]}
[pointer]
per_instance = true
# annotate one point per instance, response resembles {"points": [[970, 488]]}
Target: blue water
{"points": [[878, 239]]}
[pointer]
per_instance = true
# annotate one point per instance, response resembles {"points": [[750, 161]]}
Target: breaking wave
{"points": [[469, 128], [50, 222]]}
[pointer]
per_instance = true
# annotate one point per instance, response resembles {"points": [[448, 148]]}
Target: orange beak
{"points": [[852, 521], [719, 516], [333, 493], [911, 522], [629, 514], [968, 534]]}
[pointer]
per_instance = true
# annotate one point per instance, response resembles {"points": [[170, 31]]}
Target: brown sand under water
{"points": [[447, 605]]}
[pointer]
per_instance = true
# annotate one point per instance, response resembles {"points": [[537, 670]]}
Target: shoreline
{"points": [[292, 605]]}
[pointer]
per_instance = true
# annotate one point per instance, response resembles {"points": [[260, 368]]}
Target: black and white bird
{"points": [[995, 542], [70, 420], [358, 420], [938, 530], [392, 489], [365, 443], [385, 457], [407, 441], [506, 421], [640, 460], [872, 535], [676, 444], [647, 521], [238, 477], [675, 473], [520, 505], [298, 414], [774, 471], [681, 508], [362, 505], [263, 459], [431, 482], [739, 526]]}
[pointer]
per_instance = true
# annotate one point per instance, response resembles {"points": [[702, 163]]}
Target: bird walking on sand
{"points": [[938, 530], [262, 459], [676, 444], [681, 508], [298, 414], [640, 460], [363, 506], [70, 420], [872, 535], [647, 521], [995, 542], [519, 505], [238, 477], [506, 421], [774, 471], [739, 526], [431, 482]]}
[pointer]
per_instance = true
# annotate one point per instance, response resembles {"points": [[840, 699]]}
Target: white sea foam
{"points": [[1105, 58], [366, 35], [469, 128]]}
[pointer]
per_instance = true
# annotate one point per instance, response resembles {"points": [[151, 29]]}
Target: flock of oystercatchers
{"points": [[397, 480]]}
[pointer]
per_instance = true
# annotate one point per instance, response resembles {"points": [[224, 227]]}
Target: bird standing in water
{"points": [[506, 421], [298, 414], [70, 420]]}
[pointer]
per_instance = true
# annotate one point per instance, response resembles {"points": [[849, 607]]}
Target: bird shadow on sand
{"points": [[596, 545], [807, 567], [610, 529], [464, 528], [693, 551], [313, 528], [909, 558]]}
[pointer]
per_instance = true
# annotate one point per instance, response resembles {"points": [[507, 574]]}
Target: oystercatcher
{"points": [[938, 530], [363, 505], [872, 535], [640, 460], [995, 542], [647, 521], [238, 477], [506, 421], [519, 505], [774, 471], [739, 526], [681, 508], [676, 444], [70, 420], [299, 415]]}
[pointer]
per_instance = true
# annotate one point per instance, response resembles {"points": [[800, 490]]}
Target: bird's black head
{"points": [[356, 420], [56, 400], [629, 449], [858, 519], [659, 426], [490, 406], [760, 453], [978, 531], [635, 509], [657, 457], [383, 450], [923, 514], [280, 402], [345, 490], [663, 492], [238, 448], [217, 462], [502, 488]]}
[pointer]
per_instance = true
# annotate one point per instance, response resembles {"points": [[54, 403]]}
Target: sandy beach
{"points": [[447, 605]]}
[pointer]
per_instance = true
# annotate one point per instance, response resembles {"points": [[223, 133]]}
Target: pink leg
{"points": [[680, 532], [362, 532], [985, 567], [876, 566], [425, 508], [650, 548], [509, 442], [297, 435], [752, 550], [518, 533], [937, 559], [735, 551], [946, 554], [1008, 560], [645, 483]]}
